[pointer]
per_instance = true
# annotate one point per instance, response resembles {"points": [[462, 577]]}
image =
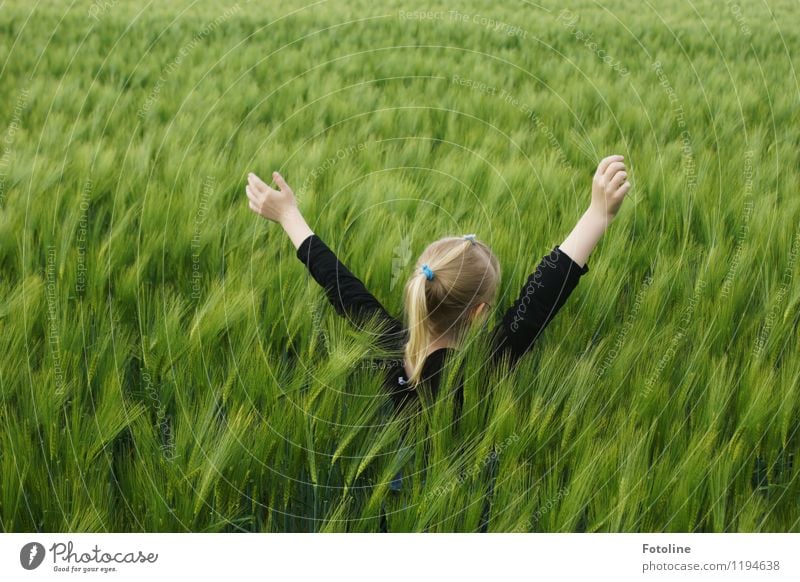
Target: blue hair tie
{"points": [[470, 237], [428, 273]]}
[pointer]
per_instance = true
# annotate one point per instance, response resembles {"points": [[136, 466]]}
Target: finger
{"points": [[280, 182], [623, 189], [250, 194], [612, 169], [257, 183], [605, 162], [618, 179], [251, 180], [253, 206]]}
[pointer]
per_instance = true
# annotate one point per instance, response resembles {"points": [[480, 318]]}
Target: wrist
{"points": [[599, 215], [289, 216], [295, 226]]}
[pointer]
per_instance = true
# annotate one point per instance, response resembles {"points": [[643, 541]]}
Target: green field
{"points": [[168, 365]]}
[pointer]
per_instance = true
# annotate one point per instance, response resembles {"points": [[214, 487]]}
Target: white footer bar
{"points": [[401, 557]]}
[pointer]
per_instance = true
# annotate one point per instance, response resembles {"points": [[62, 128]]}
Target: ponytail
{"points": [[418, 333]]}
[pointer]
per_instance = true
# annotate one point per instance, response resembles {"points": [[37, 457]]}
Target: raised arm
{"points": [[550, 285], [345, 291], [609, 187]]}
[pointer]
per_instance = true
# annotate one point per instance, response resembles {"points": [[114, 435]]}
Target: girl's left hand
{"points": [[272, 204]]}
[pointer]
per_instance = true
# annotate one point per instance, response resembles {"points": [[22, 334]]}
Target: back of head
{"points": [[452, 276]]}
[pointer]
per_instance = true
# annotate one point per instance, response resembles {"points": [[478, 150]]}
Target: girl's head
{"points": [[455, 280]]}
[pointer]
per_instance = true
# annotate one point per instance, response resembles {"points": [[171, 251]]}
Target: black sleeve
{"points": [[543, 294], [345, 291]]}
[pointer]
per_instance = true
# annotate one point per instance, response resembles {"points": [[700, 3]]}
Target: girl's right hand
{"points": [[609, 186], [275, 205]]}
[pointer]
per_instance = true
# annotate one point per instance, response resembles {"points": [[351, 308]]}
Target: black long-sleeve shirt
{"points": [[543, 294]]}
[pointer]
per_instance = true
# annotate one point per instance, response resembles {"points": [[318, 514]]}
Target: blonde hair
{"points": [[452, 276]]}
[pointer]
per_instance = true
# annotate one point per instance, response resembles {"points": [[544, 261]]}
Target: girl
{"points": [[453, 286]]}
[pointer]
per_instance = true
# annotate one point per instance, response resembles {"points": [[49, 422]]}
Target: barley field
{"points": [[167, 364]]}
